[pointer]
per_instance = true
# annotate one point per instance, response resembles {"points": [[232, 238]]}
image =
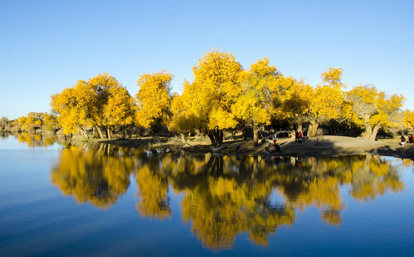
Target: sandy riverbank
{"points": [[315, 147]]}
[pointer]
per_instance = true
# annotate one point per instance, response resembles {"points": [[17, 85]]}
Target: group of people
{"points": [[298, 139], [410, 139], [274, 144]]}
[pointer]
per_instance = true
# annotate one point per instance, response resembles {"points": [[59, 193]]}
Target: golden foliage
{"points": [[206, 102], [328, 99], [295, 99], [31, 121], [333, 77], [218, 74], [255, 104], [221, 119], [49, 121], [327, 102], [223, 96], [189, 110], [153, 98], [120, 108], [37, 120], [373, 109], [408, 118], [100, 101]]}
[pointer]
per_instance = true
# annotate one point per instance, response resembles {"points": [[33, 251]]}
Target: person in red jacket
{"points": [[300, 137]]}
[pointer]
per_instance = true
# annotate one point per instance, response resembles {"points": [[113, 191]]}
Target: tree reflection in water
{"points": [[36, 140], [224, 196], [94, 176]]}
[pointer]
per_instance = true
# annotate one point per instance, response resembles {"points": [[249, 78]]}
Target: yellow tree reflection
{"points": [[152, 190], [91, 176], [318, 182], [221, 208], [225, 196], [36, 140]]}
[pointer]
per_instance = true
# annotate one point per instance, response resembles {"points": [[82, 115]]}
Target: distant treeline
{"points": [[222, 97]]}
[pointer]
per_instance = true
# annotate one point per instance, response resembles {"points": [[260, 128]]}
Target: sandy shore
{"points": [[315, 147], [325, 146]]}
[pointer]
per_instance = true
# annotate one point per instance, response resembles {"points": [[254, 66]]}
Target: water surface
{"points": [[62, 200]]}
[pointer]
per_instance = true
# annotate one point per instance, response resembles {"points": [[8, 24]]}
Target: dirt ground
{"points": [[331, 146], [322, 146]]}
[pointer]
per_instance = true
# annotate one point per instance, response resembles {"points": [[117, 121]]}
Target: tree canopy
{"points": [[99, 102], [222, 96], [153, 98], [208, 100], [373, 109]]}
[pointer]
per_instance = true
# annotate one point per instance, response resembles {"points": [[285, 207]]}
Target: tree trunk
{"points": [[375, 132], [99, 131], [313, 128], [182, 137], [371, 132], [211, 137], [245, 132], [220, 136], [108, 132], [255, 134], [123, 131], [93, 132], [300, 127], [216, 136], [83, 131]]}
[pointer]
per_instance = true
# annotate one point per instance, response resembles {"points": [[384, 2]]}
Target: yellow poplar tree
{"points": [[119, 110], [71, 115], [49, 122], [186, 116], [83, 105], [255, 104], [408, 118], [153, 98], [207, 101], [101, 86], [328, 100], [373, 109], [295, 99], [4, 123], [31, 121]]}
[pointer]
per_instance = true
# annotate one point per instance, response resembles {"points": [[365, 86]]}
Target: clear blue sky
{"points": [[46, 46]]}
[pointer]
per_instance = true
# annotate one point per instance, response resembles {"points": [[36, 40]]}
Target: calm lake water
{"points": [[58, 200]]}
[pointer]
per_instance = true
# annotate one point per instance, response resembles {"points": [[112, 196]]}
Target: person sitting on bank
{"points": [[277, 147], [300, 137], [402, 140]]}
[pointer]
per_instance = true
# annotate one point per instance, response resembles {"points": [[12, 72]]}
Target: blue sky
{"points": [[46, 46]]}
